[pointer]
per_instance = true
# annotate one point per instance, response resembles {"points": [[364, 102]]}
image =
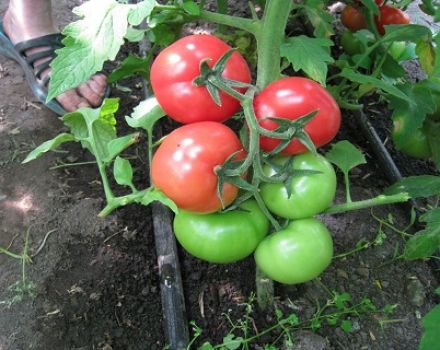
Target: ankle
{"points": [[20, 27]]}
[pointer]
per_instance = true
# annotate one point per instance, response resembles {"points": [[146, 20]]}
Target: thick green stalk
{"points": [[269, 39], [368, 203]]}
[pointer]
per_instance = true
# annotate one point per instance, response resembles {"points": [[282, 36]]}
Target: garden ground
{"points": [[93, 282]]}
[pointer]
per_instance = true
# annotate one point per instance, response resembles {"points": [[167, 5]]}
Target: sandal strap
{"points": [[50, 40], [41, 68], [49, 53], [45, 81]]}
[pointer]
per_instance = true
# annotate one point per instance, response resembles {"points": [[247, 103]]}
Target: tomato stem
{"points": [[269, 39], [265, 291], [368, 203]]}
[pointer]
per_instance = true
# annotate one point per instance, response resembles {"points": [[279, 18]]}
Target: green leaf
{"points": [[406, 32], [154, 194], [437, 291], [191, 7], [392, 68], [433, 134], [320, 18], [132, 65], [140, 11], [436, 68], [431, 335], [431, 216], [116, 146], [48, 146], [146, 114], [416, 186], [426, 53], [345, 156], [346, 326], [310, 55], [341, 300], [94, 128], [206, 346], [366, 79], [123, 172], [89, 42], [411, 113], [135, 35], [424, 243], [231, 342]]}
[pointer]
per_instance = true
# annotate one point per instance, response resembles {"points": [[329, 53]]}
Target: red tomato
{"points": [[353, 19], [390, 15], [183, 166], [292, 98], [175, 68]]}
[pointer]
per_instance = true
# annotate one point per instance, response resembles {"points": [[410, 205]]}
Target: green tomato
{"points": [[350, 43], [297, 254], [416, 145], [396, 50], [222, 237], [309, 194]]}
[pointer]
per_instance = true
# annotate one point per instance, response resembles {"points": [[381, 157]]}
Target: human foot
{"points": [[88, 94]]}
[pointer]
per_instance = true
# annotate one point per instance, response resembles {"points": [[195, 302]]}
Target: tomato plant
{"points": [[291, 98], [390, 15], [183, 166], [353, 18], [304, 195], [173, 73], [222, 237], [296, 254]]}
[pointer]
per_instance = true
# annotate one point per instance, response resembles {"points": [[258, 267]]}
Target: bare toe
{"points": [[71, 101], [87, 92]]}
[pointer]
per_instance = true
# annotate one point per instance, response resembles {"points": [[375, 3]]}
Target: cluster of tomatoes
{"points": [[353, 18], [185, 165]]}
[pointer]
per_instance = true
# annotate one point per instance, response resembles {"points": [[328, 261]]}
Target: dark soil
{"points": [[96, 281]]}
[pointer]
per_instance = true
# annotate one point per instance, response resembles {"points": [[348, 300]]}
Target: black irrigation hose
{"points": [[171, 288]]}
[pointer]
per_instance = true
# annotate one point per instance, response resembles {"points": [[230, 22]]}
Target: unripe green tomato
{"points": [[296, 254], [396, 49], [222, 237], [350, 43], [310, 194], [416, 145]]}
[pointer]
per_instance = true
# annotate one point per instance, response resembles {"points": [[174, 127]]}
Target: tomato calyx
{"points": [[214, 81], [288, 130]]}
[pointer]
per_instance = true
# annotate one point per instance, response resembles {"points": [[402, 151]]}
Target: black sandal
{"points": [[31, 71]]}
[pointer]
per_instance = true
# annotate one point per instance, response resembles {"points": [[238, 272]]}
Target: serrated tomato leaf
{"points": [[345, 156], [424, 243], [310, 55], [416, 186]]}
